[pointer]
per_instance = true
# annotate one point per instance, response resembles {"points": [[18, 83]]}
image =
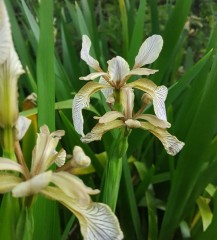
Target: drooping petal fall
{"points": [[158, 94], [97, 221], [171, 144], [9, 165], [85, 54], [81, 100], [101, 128], [149, 51]]}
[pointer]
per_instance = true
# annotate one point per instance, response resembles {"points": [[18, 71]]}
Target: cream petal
{"points": [[85, 54], [107, 92], [33, 185], [73, 187], [9, 165], [154, 120], [5, 33], [92, 76], [118, 68], [81, 100], [99, 129], [60, 158], [149, 51], [110, 116], [8, 182], [80, 159], [171, 144], [158, 95], [22, 126], [131, 123], [44, 152], [127, 100], [97, 221], [142, 71]]}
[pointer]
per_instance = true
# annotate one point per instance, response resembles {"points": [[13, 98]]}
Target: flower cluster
{"points": [[115, 87], [96, 219]]}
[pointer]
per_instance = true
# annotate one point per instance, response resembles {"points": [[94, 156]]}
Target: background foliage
{"points": [[161, 197]]}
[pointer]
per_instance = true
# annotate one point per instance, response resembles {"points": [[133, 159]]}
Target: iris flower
{"points": [[116, 78], [126, 119], [96, 219]]}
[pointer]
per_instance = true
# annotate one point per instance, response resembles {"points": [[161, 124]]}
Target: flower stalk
{"points": [[113, 169]]}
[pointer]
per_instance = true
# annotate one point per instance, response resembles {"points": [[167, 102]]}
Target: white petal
{"points": [[33, 185], [5, 33], [159, 98], [99, 129], [99, 223], [171, 144], [80, 101], [22, 126], [142, 71], [92, 76], [118, 68], [85, 54], [154, 120], [149, 51]]}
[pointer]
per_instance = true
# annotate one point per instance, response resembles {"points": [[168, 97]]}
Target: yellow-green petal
{"points": [[97, 221], [9, 165], [158, 95], [8, 182], [171, 144], [81, 100], [154, 120], [101, 128]]}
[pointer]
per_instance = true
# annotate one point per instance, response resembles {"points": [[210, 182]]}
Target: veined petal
{"points": [[149, 51], [5, 33], [154, 120], [107, 92], [110, 116], [101, 128], [44, 151], [22, 126], [60, 157], [81, 100], [9, 165], [85, 54], [92, 76], [142, 71], [171, 144], [73, 187], [33, 185], [8, 182], [97, 221], [118, 68], [158, 95]]}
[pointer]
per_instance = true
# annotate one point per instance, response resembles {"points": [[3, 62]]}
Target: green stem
{"points": [[8, 142], [113, 170]]}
